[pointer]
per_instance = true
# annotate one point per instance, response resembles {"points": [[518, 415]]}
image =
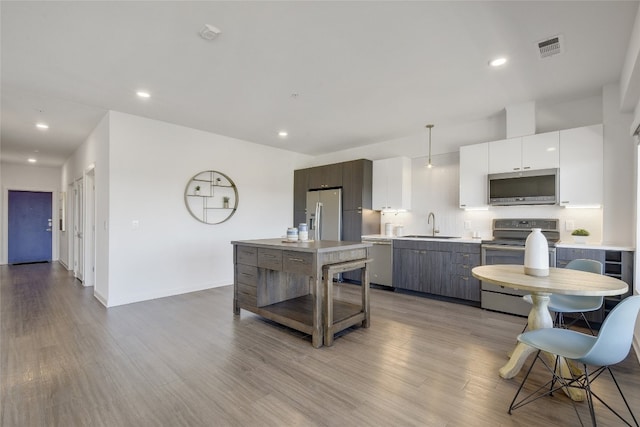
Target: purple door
{"points": [[29, 226]]}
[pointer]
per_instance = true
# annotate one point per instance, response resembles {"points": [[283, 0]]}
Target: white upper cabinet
{"points": [[474, 167], [505, 155], [541, 151], [581, 166], [524, 153], [392, 184]]}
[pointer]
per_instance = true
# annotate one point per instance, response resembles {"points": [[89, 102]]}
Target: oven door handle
{"points": [[504, 248]]}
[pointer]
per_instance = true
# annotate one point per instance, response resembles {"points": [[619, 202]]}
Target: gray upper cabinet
{"points": [[328, 176], [356, 184]]}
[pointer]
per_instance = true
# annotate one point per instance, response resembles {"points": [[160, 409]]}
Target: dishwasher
{"points": [[381, 268]]}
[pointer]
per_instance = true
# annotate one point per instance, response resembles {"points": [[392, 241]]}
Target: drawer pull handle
{"points": [[268, 255], [247, 274], [296, 259]]}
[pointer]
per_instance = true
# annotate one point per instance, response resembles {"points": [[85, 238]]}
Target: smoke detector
{"points": [[209, 32], [550, 47]]}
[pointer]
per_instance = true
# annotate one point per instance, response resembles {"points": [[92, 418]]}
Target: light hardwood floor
{"points": [[188, 361]]}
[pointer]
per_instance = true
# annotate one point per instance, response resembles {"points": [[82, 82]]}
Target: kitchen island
{"points": [[283, 281]]}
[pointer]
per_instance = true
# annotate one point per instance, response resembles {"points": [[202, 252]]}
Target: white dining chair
{"points": [[561, 304], [610, 347]]}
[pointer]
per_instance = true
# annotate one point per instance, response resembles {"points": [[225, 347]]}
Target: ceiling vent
{"points": [[550, 47], [209, 32]]}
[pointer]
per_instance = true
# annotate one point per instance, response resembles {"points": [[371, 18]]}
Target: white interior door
{"points": [[78, 228]]}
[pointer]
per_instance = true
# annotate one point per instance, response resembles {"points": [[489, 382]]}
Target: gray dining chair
{"points": [[561, 304], [610, 347]]}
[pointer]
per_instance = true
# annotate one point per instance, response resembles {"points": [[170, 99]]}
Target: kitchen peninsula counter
{"points": [[283, 282]]}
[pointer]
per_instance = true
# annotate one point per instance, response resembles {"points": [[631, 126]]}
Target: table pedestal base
{"points": [[539, 317]]}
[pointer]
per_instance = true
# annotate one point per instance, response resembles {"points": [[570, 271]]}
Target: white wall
{"points": [[29, 178], [172, 253], [552, 115]]}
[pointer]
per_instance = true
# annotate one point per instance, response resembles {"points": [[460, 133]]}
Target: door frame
{"points": [[55, 233], [89, 241]]}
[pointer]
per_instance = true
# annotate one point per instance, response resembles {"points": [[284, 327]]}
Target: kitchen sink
{"points": [[421, 236]]}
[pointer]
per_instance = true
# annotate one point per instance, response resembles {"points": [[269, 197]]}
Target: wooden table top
{"points": [[559, 281]]}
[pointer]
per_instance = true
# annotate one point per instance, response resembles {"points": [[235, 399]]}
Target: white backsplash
{"points": [[437, 190]]}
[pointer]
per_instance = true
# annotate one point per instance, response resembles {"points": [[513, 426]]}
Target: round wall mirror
{"points": [[211, 197]]}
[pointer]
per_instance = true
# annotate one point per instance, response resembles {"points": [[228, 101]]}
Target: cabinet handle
{"points": [[465, 278], [516, 169], [268, 255], [247, 274], [527, 167], [296, 259]]}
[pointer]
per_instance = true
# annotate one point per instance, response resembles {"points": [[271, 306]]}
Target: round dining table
{"points": [[562, 281]]}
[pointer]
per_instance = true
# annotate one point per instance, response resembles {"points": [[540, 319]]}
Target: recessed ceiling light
{"points": [[498, 62], [143, 94], [42, 126], [283, 133], [31, 160]]}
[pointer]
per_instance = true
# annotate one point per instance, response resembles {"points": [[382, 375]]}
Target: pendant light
{"points": [[429, 164]]}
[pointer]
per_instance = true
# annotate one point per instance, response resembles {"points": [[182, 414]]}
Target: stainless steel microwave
{"points": [[530, 187]]}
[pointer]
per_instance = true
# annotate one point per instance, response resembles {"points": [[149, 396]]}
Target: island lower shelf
{"points": [[297, 313]]}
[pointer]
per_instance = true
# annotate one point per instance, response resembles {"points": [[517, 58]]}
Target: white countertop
{"points": [[589, 245], [426, 239]]}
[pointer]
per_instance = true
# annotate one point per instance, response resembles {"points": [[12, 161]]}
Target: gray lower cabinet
{"points": [[616, 263], [438, 268]]}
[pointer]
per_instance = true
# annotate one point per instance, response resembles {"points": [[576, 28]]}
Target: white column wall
{"points": [[619, 153]]}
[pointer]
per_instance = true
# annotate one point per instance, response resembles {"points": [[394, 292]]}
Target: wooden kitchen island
{"points": [[283, 282]]}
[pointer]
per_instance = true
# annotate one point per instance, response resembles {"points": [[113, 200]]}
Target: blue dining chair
{"points": [[561, 304], [610, 347]]}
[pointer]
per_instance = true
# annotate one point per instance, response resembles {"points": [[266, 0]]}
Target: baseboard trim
{"points": [[100, 298], [146, 296]]}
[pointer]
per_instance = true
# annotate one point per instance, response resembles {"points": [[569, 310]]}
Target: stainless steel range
{"points": [[507, 247]]}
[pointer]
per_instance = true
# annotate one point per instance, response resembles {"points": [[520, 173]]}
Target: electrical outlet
{"points": [[569, 225], [467, 225]]}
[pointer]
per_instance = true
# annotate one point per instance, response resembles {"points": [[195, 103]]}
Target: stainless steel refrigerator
{"points": [[324, 214]]}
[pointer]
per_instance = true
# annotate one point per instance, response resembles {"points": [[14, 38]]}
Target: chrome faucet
{"points": [[435, 230]]}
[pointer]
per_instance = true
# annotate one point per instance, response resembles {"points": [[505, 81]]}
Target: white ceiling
{"points": [[334, 74]]}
